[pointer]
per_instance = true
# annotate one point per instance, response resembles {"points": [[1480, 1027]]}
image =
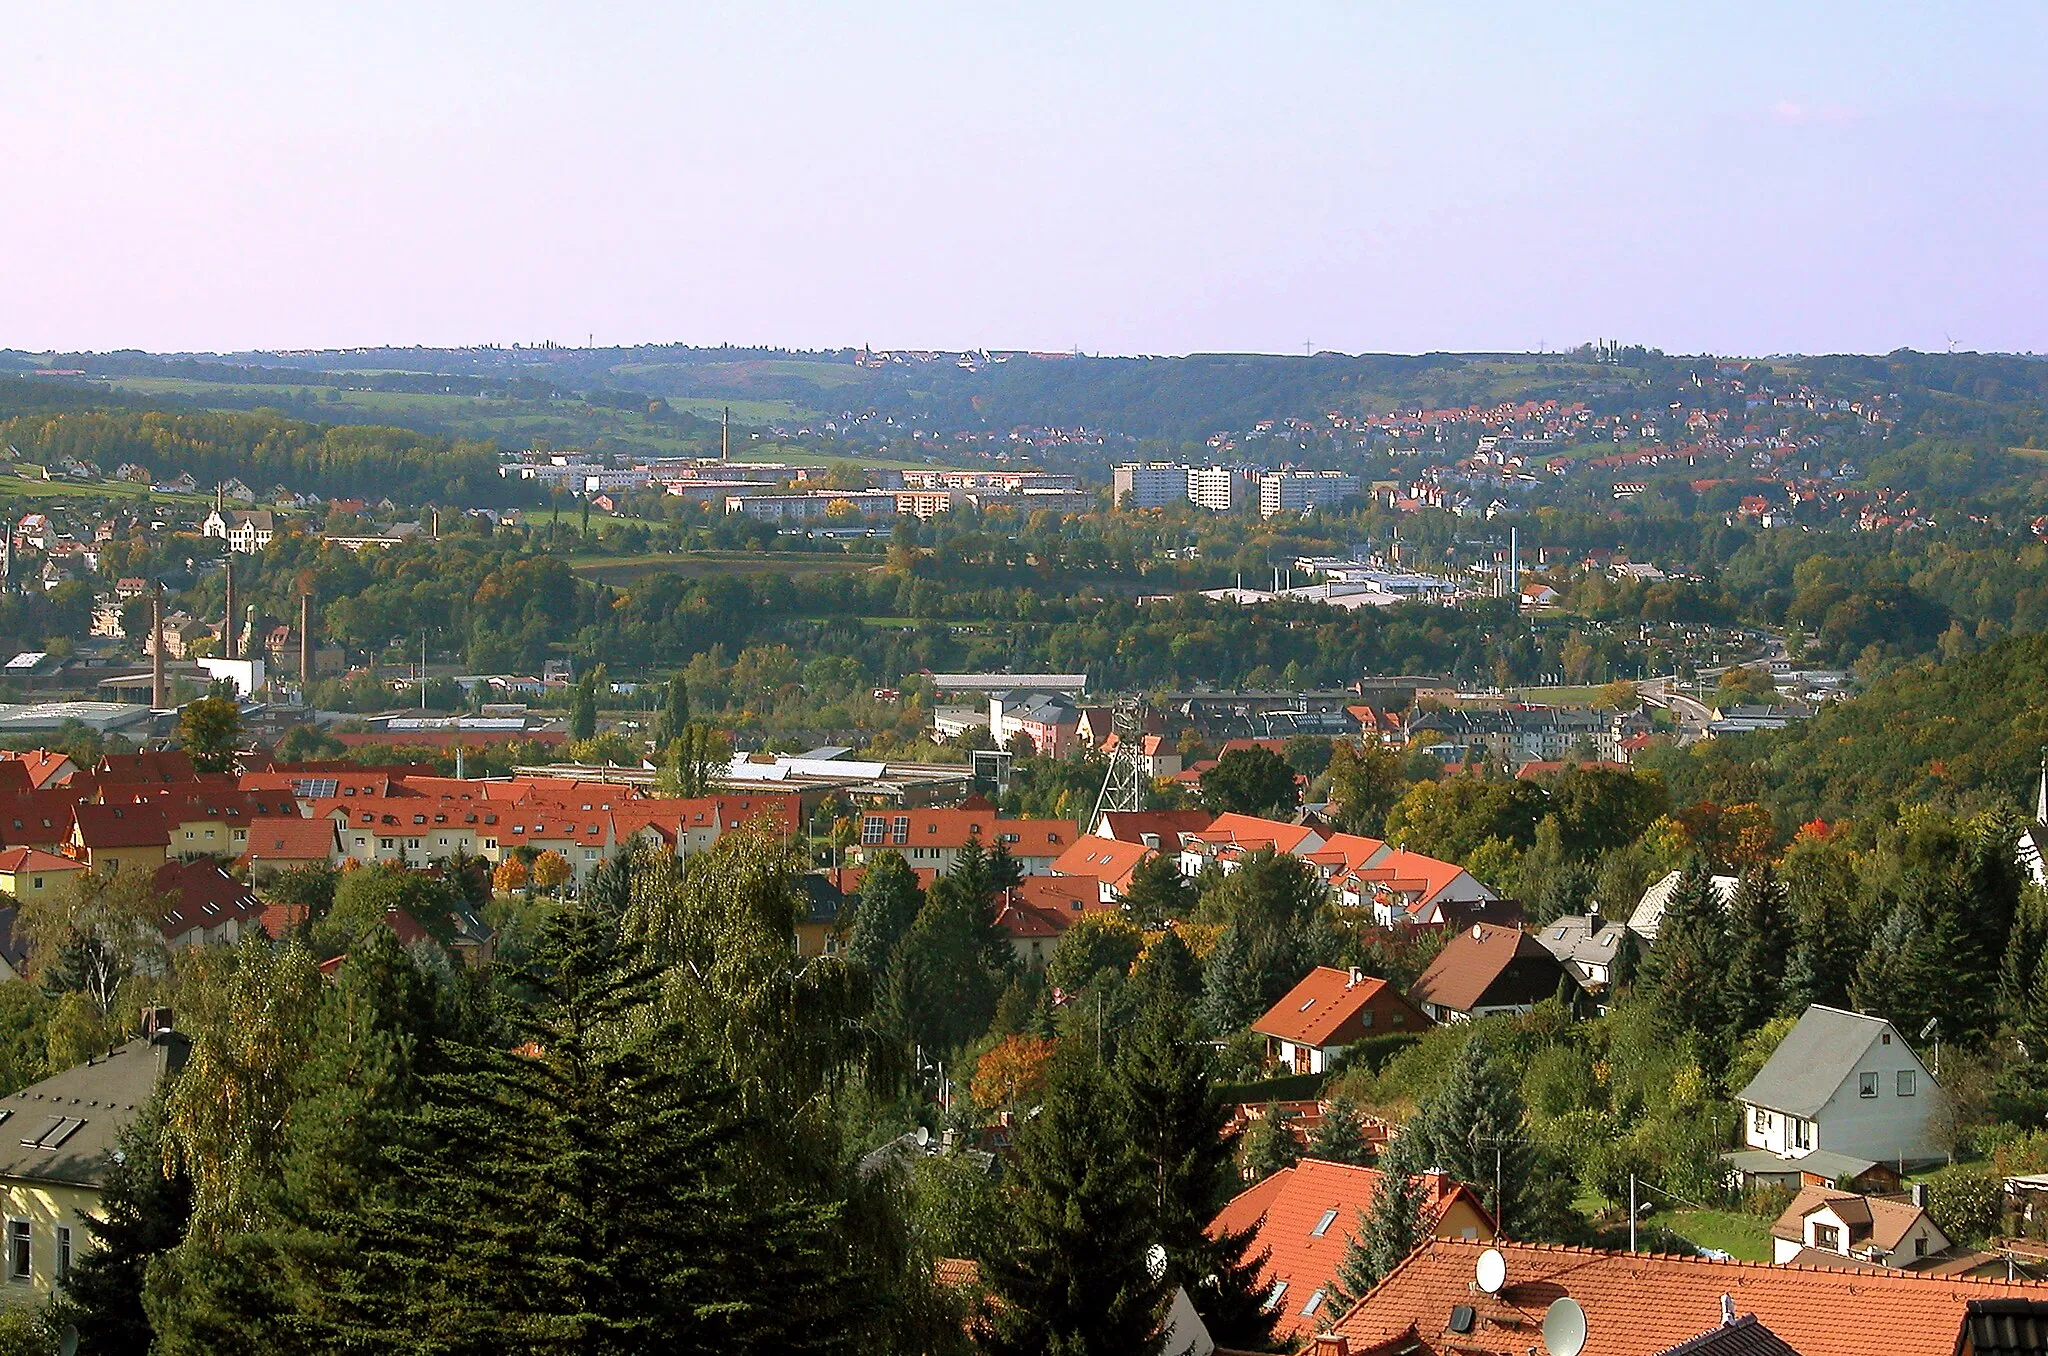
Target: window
{"points": [[39, 882], [1866, 1085], [1323, 1224], [1907, 1083], [871, 831], [1827, 1237], [1760, 1120], [1920, 1245], [1365, 1021], [1279, 1293], [899, 829], [384, 843], [1802, 1133], [1315, 1302], [17, 1250], [64, 1251]]}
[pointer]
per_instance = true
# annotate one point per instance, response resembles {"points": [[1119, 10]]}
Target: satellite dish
{"points": [[67, 1345], [1155, 1261], [1492, 1271], [1564, 1327], [924, 1136]]}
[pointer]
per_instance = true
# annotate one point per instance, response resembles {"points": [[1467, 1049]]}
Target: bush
{"points": [[1967, 1202], [1767, 1202]]}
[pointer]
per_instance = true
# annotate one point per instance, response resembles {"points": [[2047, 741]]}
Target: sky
{"points": [[1120, 177]]}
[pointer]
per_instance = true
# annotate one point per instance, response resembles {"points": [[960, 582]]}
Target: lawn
{"points": [[1747, 1237]]}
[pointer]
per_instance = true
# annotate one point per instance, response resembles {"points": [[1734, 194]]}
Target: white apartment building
{"points": [[1298, 491], [1221, 489], [1151, 484]]}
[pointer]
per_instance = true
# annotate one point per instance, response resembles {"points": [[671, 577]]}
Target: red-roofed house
{"points": [[1161, 829], [44, 767], [30, 873], [279, 844], [1329, 1010], [1305, 1217], [1104, 860], [203, 904], [1408, 887], [934, 838], [1229, 838], [1639, 1304], [110, 837]]}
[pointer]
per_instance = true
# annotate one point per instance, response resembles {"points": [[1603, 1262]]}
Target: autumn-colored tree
{"points": [[1012, 1073], [510, 877], [551, 870], [209, 729]]}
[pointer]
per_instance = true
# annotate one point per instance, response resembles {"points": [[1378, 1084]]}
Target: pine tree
{"points": [[583, 707], [142, 1214], [889, 904], [674, 714], [1687, 970], [1388, 1229], [1269, 1145], [1340, 1136], [1175, 1117], [587, 1190], [1073, 1276], [1472, 1129], [1168, 976], [1760, 945]]}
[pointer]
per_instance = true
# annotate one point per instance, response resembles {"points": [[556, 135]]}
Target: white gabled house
{"points": [[1844, 1084]]}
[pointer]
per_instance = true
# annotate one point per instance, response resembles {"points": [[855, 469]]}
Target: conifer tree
{"points": [[889, 904], [583, 707], [1176, 1116], [674, 715], [954, 963], [1687, 969], [1073, 1276], [1760, 945], [1269, 1145], [1340, 1136], [1472, 1129], [142, 1214], [1388, 1229], [1169, 976]]}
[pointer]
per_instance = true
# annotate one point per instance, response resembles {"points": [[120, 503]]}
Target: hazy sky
{"points": [[1744, 178]]}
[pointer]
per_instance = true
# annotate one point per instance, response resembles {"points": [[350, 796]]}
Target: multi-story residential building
{"points": [[246, 531], [1222, 489], [932, 839], [1151, 484], [1299, 491]]}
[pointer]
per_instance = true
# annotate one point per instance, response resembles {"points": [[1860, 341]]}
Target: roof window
{"points": [[1323, 1227]]}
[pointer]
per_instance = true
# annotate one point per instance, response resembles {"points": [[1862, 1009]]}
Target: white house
{"points": [[1822, 1226], [1847, 1084], [1649, 911]]}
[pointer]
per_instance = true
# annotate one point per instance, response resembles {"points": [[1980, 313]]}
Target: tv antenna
{"points": [[1951, 340], [1123, 785]]}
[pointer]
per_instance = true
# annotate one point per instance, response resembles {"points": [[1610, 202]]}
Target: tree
{"points": [[583, 707], [1095, 943], [1253, 781], [1687, 971], [551, 870], [1011, 1073], [1168, 977], [1158, 891], [510, 876], [691, 761], [1072, 1275], [889, 903], [369, 895], [144, 1207], [209, 729], [1273, 907], [674, 716], [1472, 1129], [1390, 1226], [306, 891], [1176, 1116], [1340, 1136], [588, 1190], [955, 961], [94, 931], [1759, 948], [1269, 1145], [1365, 782]]}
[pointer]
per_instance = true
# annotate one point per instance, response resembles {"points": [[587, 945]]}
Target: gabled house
{"points": [[1847, 1084], [1105, 860], [28, 873], [61, 1137], [1305, 1217], [1825, 1227], [933, 838], [1648, 916], [1230, 838], [1329, 1010], [109, 838], [203, 904], [1591, 949], [1485, 970], [282, 843]]}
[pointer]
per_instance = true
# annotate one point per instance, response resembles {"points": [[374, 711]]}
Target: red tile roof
{"points": [[1250, 831], [15, 860], [1289, 1207], [1474, 959], [952, 829], [42, 765], [1131, 826], [287, 841], [1637, 1304], [1315, 1010], [202, 895], [1104, 859], [121, 826]]}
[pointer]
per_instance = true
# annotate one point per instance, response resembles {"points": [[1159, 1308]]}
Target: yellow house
{"points": [[56, 1139], [108, 838], [31, 873]]}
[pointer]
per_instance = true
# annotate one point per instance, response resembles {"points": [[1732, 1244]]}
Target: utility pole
{"points": [[423, 670], [1631, 1212]]}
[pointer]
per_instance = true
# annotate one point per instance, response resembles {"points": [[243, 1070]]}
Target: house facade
{"points": [[1848, 1084], [1330, 1010]]}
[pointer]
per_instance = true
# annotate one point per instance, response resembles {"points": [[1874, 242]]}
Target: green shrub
{"points": [[1967, 1202]]}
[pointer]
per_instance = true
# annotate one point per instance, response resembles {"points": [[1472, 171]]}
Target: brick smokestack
{"points": [[230, 618], [159, 695], [306, 645]]}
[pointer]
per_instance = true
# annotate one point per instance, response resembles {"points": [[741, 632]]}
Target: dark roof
{"points": [[1744, 1337], [84, 1107], [1486, 966], [2006, 1327], [1812, 1061], [13, 948], [822, 899], [121, 826]]}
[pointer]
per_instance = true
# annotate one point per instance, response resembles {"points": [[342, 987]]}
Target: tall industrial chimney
{"points": [[159, 695], [306, 645], [230, 617], [725, 434]]}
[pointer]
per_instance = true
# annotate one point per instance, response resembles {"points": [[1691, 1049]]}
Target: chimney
{"points": [[1727, 1311], [1332, 1344], [306, 644], [156, 1021], [1920, 1194], [1357, 977], [158, 694], [229, 617], [1594, 922]]}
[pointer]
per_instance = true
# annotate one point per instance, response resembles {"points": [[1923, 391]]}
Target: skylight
{"points": [[1323, 1224]]}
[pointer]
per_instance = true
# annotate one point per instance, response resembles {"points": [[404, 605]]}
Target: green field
{"points": [[16, 487], [698, 564]]}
